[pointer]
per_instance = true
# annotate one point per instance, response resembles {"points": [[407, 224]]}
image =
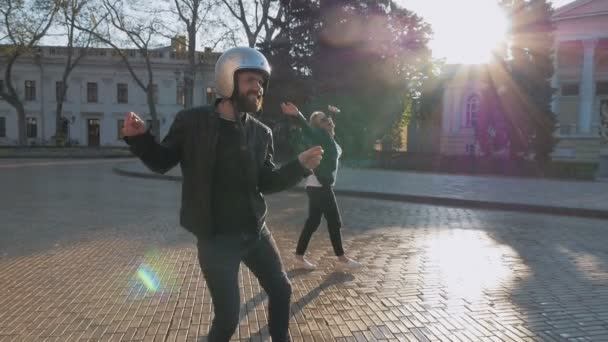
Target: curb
{"points": [[46, 156], [64, 155], [433, 200], [146, 175], [24, 152]]}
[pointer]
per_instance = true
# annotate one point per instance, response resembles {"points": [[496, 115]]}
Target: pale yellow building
{"points": [[581, 42], [581, 80]]}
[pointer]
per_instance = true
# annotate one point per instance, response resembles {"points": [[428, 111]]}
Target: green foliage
{"points": [[530, 66], [367, 57]]}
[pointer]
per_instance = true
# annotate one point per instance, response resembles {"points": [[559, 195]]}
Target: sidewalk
{"points": [[50, 152], [556, 197]]}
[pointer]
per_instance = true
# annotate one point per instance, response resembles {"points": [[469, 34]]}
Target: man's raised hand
{"points": [[133, 125]]}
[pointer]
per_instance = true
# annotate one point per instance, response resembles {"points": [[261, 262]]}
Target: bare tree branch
{"points": [[139, 34], [273, 25], [72, 11], [24, 24], [193, 13], [260, 19], [229, 7]]}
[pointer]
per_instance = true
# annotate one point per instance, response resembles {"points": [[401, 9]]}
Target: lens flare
{"points": [[148, 277], [154, 276]]}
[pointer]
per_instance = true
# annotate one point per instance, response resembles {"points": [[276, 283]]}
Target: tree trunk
{"points": [[191, 74], [22, 129], [152, 107], [189, 89], [60, 135]]}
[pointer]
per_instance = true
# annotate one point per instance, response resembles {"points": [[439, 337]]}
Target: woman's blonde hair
{"points": [[316, 117]]}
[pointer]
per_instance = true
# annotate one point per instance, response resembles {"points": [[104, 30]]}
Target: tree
{"points": [[78, 42], [139, 32], [371, 57], [531, 122], [291, 78], [193, 13], [22, 25], [368, 57], [255, 17], [424, 124]]}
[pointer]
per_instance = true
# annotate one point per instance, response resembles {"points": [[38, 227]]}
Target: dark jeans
{"points": [[220, 259], [321, 202]]}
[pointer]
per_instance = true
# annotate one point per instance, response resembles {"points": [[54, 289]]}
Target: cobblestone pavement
{"points": [[86, 254]]}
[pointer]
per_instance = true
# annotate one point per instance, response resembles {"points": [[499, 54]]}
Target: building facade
{"points": [[581, 42], [100, 91], [581, 80]]}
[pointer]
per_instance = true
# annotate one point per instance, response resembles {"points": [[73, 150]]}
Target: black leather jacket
{"points": [[191, 142]]}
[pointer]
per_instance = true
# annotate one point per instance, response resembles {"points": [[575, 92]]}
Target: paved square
{"points": [[87, 255]]}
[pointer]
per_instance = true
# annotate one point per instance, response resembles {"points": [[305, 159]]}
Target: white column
{"points": [[587, 87]]}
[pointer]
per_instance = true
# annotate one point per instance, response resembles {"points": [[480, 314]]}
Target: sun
{"points": [[470, 33]]}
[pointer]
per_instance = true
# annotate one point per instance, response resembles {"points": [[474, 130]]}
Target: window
{"points": [[601, 88], [92, 92], [472, 112], [119, 125], [2, 127], [122, 93], [31, 127], [210, 95], [570, 90], [30, 90], [181, 95], [1, 86], [59, 91], [155, 93]]}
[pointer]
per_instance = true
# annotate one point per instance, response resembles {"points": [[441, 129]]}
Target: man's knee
{"points": [[281, 289], [288, 290]]}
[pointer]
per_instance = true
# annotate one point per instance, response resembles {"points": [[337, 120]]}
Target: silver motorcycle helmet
{"points": [[233, 60]]}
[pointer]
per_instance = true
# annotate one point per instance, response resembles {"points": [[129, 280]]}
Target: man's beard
{"points": [[244, 104]]}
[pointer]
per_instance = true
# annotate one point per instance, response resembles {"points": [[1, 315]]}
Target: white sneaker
{"points": [[348, 264], [305, 264]]}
